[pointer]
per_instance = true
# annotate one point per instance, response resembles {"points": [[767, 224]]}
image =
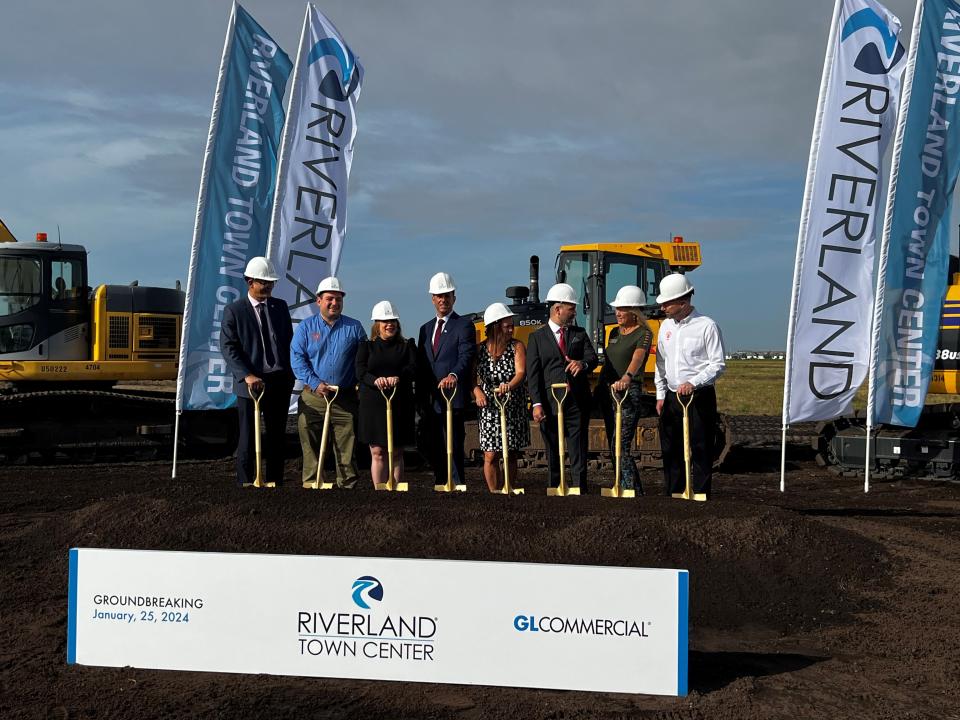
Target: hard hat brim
{"points": [[667, 298]]}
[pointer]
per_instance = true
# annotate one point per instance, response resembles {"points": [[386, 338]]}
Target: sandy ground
{"points": [[820, 602]]}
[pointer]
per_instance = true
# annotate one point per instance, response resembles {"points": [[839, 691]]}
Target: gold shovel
{"points": [[258, 482], [390, 485], [616, 491], [317, 484], [502, 404], [449, 487], [562, 490], [688, 493]]}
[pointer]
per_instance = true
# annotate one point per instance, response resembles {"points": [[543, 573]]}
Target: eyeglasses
{"points": [[265, 283]]}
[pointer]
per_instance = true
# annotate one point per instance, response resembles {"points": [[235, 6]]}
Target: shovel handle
{"points": [[325, 431], [687, 452], [618, 441], [258, 452], [388, 399]]}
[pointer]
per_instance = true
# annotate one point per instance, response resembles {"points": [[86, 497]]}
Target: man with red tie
{"points": [[445, 353], [561, 352]]}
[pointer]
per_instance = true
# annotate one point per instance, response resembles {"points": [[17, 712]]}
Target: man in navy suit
{"points": [[561, 352], [445, 353], [255, 341]]}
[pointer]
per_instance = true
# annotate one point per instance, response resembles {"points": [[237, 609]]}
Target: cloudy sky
{"points": [[488, 131]]}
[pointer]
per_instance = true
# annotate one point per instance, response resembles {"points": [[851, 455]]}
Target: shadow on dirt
{"points": [[747, 459], [876, 512], [711, 671]]}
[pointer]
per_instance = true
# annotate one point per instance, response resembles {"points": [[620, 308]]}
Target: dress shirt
{"points": [[688, 351], [273, 340], [555, 329], [321, 353], [443, 330]]}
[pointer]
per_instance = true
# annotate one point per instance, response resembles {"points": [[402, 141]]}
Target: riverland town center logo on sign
{"points": [[870, 61], [373, 635], [365, 589]]}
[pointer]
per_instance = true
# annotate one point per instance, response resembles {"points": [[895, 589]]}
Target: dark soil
{"points": [[818, 602]]}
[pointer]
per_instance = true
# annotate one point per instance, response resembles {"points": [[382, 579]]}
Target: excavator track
{"points": [[931, 451], [85, 426], [733, 431]]}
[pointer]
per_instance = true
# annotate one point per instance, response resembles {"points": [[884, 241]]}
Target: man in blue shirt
{"points": [[324, 353]]}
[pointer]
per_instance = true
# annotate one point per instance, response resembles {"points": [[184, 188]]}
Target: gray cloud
{"points": [[488, 132]]}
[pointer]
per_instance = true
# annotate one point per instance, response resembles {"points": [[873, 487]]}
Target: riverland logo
{"points": [[365, 589], [372, 635], [870, 60], [332, 85]]}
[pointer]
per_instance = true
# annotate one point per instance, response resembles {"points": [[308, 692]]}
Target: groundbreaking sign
{"points": [[480, 623]]}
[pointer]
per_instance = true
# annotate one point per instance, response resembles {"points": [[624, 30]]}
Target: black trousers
{"points": [[576, 420], [274, 407], [432, 441], [702, 414]]}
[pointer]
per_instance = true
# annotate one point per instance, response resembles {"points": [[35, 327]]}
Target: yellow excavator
{"points": [[596, 271], [64, 347], [932, 449]]}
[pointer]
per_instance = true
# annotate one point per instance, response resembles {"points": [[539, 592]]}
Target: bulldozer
{"points": [[76, 362], [596, 271]]}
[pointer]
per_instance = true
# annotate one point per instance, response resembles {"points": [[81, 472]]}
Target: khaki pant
{"points": [[340, 437]]}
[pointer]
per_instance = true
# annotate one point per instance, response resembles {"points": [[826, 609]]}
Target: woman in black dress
{"points": [[386, 361]]}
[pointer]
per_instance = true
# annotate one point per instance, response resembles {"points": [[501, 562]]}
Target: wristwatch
{"points": [[629, 374]]}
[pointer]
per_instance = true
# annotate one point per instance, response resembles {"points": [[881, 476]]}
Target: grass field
{"points": [[755, 387]]}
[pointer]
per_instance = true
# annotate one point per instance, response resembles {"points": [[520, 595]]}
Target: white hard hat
{"points": [[629, 296], [561, 292], [497, 311], [259, 268], [674, 286], [441, 283], [330, 284], [383, 310]]}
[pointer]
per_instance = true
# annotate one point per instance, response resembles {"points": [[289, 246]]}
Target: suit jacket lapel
{"points": [[443, 333]]}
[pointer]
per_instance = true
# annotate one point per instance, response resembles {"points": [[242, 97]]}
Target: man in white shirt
{"points": [[690, 358]]}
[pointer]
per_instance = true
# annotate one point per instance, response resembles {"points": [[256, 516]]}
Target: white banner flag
{"points": [[310, 209], [828, 338]]}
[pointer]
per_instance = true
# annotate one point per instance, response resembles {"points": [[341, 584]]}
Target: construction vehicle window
{"points": [[65, 280], [19, 284], [621, 270], [575, 269], [654, 274]]}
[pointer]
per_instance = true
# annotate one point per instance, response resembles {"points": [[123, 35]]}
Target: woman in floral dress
{"points": [[501, 368]]}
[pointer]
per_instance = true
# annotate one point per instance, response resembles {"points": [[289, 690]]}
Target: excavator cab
{"points": [[44, 304]]}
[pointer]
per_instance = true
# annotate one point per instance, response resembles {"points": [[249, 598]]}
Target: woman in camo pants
{"points": [[622, 371]]}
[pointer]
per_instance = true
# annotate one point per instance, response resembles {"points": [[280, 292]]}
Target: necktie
{"points": [[265, 336], [563, 341], [436, 335]]}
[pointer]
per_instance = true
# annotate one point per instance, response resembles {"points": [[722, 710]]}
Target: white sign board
{"points": [[481, 623]]}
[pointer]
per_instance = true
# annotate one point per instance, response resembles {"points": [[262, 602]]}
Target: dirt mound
{"points": [[762, 574]]}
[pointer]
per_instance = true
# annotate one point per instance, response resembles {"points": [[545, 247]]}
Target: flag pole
{"points": [[880, 292], [198, 225]]}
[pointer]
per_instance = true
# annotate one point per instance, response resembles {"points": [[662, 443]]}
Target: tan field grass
{"points": [[755, 387]]}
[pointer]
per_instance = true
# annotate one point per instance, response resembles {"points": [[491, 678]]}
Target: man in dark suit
{"points": [[560, 352], [445, 353], [255, 341]]}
